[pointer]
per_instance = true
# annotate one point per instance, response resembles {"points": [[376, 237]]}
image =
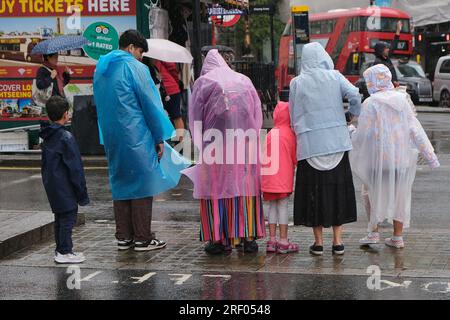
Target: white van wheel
{"points": [[444, 102]]}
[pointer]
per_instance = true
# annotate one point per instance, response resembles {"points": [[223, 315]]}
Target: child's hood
{"points": [[48, 130], [281, 116]]}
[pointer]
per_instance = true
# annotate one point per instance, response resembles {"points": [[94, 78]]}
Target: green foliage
{"points": [[259, 27]]}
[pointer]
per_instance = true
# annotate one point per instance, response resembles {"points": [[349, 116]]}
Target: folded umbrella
{"points": [[60, 43], [168, 51]]}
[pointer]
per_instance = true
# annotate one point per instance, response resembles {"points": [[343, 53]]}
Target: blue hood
{"points": [[103, 65]]}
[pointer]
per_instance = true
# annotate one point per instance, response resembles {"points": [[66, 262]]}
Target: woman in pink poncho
{"points": [[225, 118], [385, 148]]}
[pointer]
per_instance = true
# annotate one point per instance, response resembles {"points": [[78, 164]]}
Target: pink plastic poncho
{"points": [[221, 100], [385, 149]]}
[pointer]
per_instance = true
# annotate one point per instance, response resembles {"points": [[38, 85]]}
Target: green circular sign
{"points": [[103, 39]]}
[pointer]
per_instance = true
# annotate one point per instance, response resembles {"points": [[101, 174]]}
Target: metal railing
{"points": [[262, 76]]}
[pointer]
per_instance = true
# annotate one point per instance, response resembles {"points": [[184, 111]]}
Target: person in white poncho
{"points": [[386, 145]]}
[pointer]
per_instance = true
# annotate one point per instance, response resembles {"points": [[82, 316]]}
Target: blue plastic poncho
{"points": [[132, 121]]}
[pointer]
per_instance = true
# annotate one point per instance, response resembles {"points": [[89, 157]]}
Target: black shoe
{"points": [[316, 250], [124, 244], [214, 248], [250, 246], [154, 244], [338, 249]]}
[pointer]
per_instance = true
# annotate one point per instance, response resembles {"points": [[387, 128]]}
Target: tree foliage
{"points": [[259, 27]]}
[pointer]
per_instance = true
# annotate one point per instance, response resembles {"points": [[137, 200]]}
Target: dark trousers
{"points": [[134, 219], [64, 223]]}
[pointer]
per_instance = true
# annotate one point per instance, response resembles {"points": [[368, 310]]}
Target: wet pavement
{"points": [[425, 261], [140, 284]]}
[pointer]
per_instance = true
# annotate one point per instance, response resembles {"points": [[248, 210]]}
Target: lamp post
{"points": [[196, 43]]}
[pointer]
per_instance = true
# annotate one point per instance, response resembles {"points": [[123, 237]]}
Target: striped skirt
{"points": [[229, 220]]}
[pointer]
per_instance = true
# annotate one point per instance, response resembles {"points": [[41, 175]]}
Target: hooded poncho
{"points": [[316, 105], [132, 121], [385, 148], [224, 101]]}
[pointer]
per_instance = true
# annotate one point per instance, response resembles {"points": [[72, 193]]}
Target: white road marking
{"points": [[143, 278], [19, 181], [226, 277], [182, 278], [90, 276]]}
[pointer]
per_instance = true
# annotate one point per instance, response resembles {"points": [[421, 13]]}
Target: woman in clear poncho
{"points": [[225, 118], [385, 151]]}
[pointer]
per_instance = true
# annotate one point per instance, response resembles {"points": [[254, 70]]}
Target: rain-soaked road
{"points": [[142, 284], [22, 190]]}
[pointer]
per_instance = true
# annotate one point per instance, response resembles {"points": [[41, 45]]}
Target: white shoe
{"points": [[398, 244], [371, 238], [69, 258]]}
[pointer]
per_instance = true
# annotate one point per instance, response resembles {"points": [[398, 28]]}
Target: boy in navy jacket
{"points": [[63, 178]]}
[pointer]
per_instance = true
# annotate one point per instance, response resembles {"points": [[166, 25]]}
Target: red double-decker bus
{"points": [[349, 36]]}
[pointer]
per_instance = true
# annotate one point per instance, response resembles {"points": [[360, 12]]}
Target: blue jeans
{"points": [[64, 223]]}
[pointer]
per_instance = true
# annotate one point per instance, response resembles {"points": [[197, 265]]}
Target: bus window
{"points": [[385, 25], [10, 47], [315, 27], [322, 26], [341, 41]]}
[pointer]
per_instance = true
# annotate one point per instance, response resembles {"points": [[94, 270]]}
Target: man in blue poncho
{"points": [[133, 127]]}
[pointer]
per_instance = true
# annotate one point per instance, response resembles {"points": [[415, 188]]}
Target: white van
{"points": [[441, 92]]}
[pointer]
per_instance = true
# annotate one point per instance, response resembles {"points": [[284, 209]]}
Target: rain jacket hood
{"points": [[48, 130], [281, 117], [379, 48], [315, 56], [213, 61], [378, 78]]}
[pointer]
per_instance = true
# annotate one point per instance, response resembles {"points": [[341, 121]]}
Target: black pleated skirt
{"points": [[324, 198]]}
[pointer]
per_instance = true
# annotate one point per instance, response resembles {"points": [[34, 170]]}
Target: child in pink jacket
{"points": [[278, 178]]}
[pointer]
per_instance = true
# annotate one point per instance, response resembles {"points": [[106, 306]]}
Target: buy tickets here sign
{"points": [[34, 8]]}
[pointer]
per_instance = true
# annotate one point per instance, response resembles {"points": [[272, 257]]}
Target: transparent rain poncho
{"points": [[225, 118], [386, 145]]}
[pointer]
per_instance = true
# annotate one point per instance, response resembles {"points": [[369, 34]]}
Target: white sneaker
{"points": [[371, 238], [398, 244], [69, 258]]}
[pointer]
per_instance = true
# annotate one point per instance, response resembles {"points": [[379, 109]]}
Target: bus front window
{"points": [[383, 24]]}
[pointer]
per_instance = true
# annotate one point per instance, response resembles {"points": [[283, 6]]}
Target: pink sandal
{"points": [[271, 246], [287, 248]]}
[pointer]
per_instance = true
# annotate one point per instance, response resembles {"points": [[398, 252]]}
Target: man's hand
{"points": [[53, 74], [396, 84], [399, 27], [160, 150]]}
